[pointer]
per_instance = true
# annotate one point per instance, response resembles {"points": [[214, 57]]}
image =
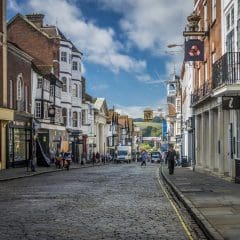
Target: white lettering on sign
{"points": [[231, 102]]}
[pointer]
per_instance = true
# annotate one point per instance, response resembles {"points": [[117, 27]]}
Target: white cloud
{"points": [[137, 111], [100, 87], [152, 24], [146, 78], [98, 44]]}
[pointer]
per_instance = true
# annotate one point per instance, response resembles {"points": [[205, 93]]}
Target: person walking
{"points": [[144, 158], [171, 159]]}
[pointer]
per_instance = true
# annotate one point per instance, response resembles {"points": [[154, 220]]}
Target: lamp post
{"points": [[179, 89]]}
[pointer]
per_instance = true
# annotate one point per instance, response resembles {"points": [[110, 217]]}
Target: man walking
{"points": [[171, 159], [144, 158]]}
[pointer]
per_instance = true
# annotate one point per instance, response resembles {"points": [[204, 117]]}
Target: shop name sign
{"points": [[230, 102]]}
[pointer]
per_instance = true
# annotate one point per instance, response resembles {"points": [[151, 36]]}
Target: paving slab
{"points": [[216, 200]]}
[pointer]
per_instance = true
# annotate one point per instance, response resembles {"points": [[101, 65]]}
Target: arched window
{"points": [[64, 116], [64, 84], [75, 119], [19, 87]]}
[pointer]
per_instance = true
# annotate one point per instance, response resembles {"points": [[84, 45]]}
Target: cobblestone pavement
{"points": [[121, 201]]}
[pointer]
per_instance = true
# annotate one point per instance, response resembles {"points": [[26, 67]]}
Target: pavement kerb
{"points": [[207, 228], [48, 171]]}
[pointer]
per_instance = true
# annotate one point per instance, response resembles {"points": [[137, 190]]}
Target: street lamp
{"points": [[174, 45]]}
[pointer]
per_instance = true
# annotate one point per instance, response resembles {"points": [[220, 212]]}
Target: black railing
{"points": [[203, 91], [226, 70]]}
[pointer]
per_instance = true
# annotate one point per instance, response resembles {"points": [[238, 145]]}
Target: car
{"points": [[156, 157]]}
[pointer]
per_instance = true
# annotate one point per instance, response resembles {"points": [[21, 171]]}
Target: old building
{"points": [[6, 114]]}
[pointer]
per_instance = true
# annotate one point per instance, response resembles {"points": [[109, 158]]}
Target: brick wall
{"points": [[43, 49], [18, 65]]}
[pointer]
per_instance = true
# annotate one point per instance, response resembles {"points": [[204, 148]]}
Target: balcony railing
{"points": [[226, 70], [203, 91]]}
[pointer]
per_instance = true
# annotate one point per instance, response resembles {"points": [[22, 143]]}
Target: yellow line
{"points": [[174, 207]]}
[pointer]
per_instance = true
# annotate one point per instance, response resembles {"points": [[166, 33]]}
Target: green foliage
{"points": [[145, 146], [151, 132]]}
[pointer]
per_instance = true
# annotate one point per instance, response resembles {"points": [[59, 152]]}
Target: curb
{"points": [[207, 228], [32, 174]]}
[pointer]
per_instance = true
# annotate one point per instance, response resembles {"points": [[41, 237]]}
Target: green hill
{"points": [[150, 129]]}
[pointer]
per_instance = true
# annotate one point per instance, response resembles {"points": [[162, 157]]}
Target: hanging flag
{"points": [[194, 50]]}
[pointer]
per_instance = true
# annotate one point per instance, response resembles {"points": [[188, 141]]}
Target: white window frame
{"points": [[75, 119], [75, 90], [75, 65], [64, 84], [63, 56], [39, 82], [38, 109]]}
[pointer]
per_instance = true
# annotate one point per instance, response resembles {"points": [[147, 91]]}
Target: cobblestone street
{"points": [[111, 202]]}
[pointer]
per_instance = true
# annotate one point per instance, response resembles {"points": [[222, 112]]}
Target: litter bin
{"points": [[185, 162]]}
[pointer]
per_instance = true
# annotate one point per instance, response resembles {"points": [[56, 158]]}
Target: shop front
{"points": [[20, 141]]}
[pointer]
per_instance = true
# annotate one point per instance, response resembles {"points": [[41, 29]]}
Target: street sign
{"points": [[230, 102]]}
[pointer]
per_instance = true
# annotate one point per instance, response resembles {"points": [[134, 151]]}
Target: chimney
{"points": [[36, 19]]}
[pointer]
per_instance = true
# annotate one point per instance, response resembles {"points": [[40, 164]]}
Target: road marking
{"points": [[174, 207]]}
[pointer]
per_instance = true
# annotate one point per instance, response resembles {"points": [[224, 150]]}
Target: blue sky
{"points": [[123, 42]]}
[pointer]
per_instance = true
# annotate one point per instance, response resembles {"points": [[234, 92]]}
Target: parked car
{"points": [[156, 157]]}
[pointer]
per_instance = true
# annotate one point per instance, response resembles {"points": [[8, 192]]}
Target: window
{"points": [[214, 10], [230, 41], [74, 90], [19, 88], [75, 66], [75, 119], [80, 67], [205, 71], [70, 58], [70, 85], [45, 110], [83, 117], [228, 22], [232, 17], [38, 110], [39, 82], [64, 116], [26, 99], [205, 18], [51, 90], [64, 84], [11, 94], [63, 56]]}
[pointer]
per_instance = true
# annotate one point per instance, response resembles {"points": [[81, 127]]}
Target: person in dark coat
{"points": [[171, 159]]}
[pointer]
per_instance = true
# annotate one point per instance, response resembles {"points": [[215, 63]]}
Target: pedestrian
{"points": [[171, 159], [144, 158], [97, 157], [93, 158]]}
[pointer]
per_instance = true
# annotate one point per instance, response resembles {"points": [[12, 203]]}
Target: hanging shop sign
{"points": [[230, 102], [194, 50]]}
